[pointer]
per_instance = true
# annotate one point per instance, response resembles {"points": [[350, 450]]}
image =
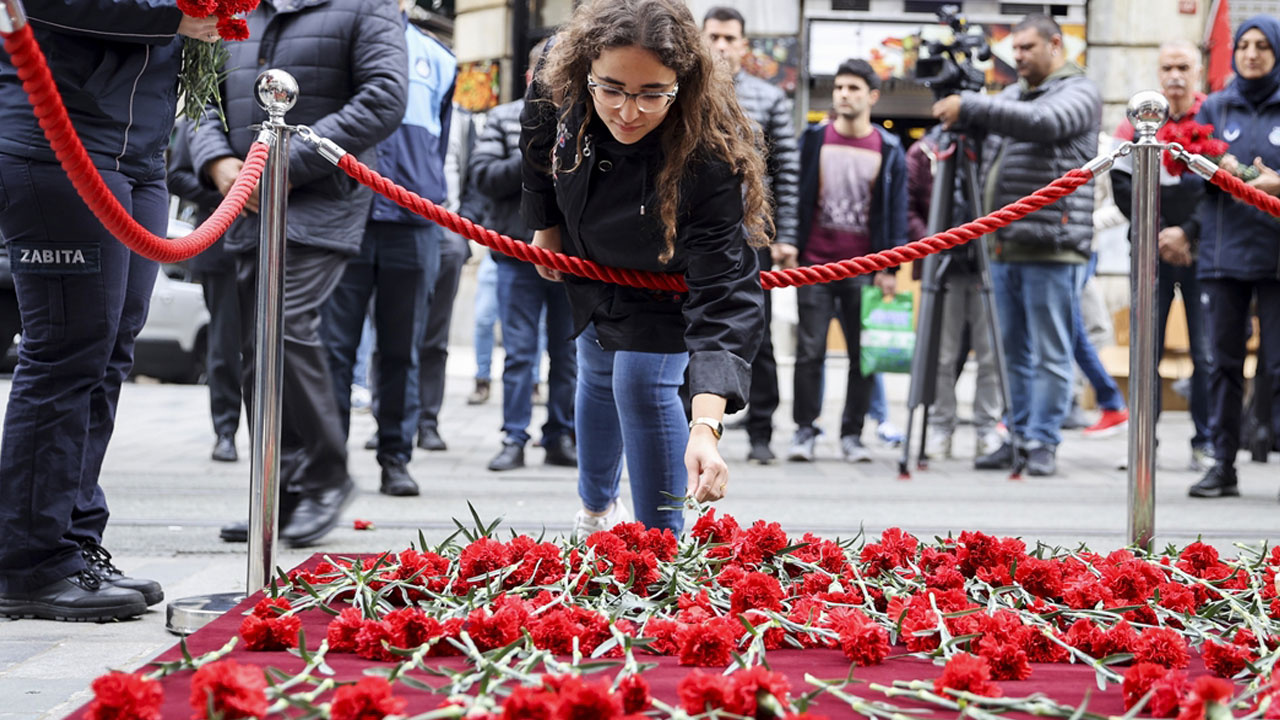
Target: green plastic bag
{"points": [[888, 332]]}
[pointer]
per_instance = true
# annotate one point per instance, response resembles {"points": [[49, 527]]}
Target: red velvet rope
{"points": [[808, 275], [37, 81], [1245, 192]]}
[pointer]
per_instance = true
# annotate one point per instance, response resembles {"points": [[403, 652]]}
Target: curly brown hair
{"points": [[705, 118]]}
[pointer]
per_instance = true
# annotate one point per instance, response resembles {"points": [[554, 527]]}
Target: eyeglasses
{"points": [[646, 102]]}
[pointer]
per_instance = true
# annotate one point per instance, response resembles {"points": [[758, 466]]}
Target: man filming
{"points": [[1037, 130]]}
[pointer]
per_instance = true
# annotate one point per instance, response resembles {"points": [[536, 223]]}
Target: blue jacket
{"points": [[888, 220], [1236, 240], [414, 154], [116, 65]]}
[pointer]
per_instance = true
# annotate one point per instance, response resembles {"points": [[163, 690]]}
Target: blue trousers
{"points": [[1082, 350], [629, 406], [1037, 303], [399, 262], [487, 312], [83, 297], [522, 297]]}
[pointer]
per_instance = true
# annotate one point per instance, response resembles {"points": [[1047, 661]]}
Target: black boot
{"points": [[510, 457], [317, 514], [1219, 481], [561, 451], [82, 597], [99, 562], [1000, 459], [224, 450], [1042, 461], [396, 481], [429, 439]]}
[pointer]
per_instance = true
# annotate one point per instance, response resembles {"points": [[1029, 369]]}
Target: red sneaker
{"points": [[1112, 422]]}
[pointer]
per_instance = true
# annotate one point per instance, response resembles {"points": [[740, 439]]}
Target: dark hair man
{"points": [[725, 30], [1037, 129]]}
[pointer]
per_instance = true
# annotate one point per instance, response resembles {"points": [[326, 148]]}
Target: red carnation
{"points": [[236, 7], [756, 591], [1120, 638], [1204, 692], [635, 694], [1162, 646], [270, 633], [1040, 648], [666, 635], [896, 549], [1042, 578], [580, 699], [368, 699], [1176, 597], [198, 8], [230, 690], [233, 29], [343, 630], [862, 640], [710, 530], [749, 685], [411, 628], [1169, 687], [701, 692], [1225, 659], [1007, 660], [529, 703], [966, 673], [373, 639], [125, 696], [709, 644]]}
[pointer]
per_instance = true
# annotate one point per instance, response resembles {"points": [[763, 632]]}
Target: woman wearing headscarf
{"points": [[1240, 245]]}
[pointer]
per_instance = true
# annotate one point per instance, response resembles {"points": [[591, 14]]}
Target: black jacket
{"points": [[116, 66], [771, 109], [495, 171], [607, 207], [887, 223], [184, 183], [349, 59]]}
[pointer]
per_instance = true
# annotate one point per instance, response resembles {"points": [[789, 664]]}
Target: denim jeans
{"points": [[1109, 396], [1192, 302], [878, 408], [486, 316], [522, 297], [629, 405], [1037, 303]]}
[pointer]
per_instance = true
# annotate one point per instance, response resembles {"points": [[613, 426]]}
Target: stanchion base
{"points": [[187, 615]]}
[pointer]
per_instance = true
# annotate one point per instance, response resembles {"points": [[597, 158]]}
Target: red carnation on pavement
{"points": [[125, 696], [709, 644], [229, 689], [1162, 646], [756, 591], [1169, 687], [700, 692], [966, 673], [1225, 659], [359, 524], [1205, 693], [368, 699], [635, 694]]}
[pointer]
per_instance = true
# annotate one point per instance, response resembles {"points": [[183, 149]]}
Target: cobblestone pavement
{"points": [[168, 500]]}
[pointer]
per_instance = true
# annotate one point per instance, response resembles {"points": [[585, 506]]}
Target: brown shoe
{"points": [[481, 394]]}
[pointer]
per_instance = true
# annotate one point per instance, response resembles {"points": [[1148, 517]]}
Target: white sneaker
{"points": [[361, 399], [889, 434], [989, 442], [853, 451], [937, 445], [584, 523]]}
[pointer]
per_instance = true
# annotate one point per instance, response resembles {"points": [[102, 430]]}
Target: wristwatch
{"points": [[717, 427]]}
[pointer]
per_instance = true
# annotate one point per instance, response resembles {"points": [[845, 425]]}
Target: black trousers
{"points": [[817, 305], [1226, 307], [313, 448], [763, 399], [433, 353], [222, 299]]}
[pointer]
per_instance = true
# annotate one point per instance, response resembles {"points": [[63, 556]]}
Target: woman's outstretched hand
{"points": [[548, 239], [708, 473]]}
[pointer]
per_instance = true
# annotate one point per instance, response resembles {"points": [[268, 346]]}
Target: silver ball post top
{"points": [[277, 92], [1148, 111]]}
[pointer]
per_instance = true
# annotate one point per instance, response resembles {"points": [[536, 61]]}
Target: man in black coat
{"points": [[725, 30], [350, 62]]}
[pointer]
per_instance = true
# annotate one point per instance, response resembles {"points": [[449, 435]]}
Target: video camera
{"points": [[948, 69]]}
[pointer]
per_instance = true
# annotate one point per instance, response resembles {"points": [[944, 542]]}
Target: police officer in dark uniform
{"points": [[82, 295]]}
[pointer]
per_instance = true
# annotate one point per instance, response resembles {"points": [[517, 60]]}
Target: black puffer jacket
{"points": [[607, 206], [495, 171], [1035, 136], [349, 59], [116, 66], [769, 107]]}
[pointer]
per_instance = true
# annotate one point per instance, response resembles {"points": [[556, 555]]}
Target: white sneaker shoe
{"points": [[937, 445], [584, 523], [989, 442], [361, 399], [889, 434]]}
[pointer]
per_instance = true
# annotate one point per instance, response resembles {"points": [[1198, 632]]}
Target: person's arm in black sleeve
{"points": [[724, 313], [496, 168], [148, 22], [1122, 191], [379, 70], [181, 177], [1051, 118], [538, 123], [784, 169]]}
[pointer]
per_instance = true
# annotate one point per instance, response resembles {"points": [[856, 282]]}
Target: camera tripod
{"points": [[956, 158]]}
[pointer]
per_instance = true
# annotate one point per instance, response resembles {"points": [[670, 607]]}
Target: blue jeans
{"points": [[1109, 396], [878, 410], [629, 406], [1037, 303], [486, 316], [83, 297], [522, 297]]}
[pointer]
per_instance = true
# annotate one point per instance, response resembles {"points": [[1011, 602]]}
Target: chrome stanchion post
{"points": [[1147, 111], [12, 16], [277, 93]]}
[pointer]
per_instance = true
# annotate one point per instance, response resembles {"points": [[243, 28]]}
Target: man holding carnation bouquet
{"points": [[350, 61], [82, 295]]}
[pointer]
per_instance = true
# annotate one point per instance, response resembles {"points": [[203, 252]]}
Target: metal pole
{"points": [[277, 92], [1147, 111]]}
